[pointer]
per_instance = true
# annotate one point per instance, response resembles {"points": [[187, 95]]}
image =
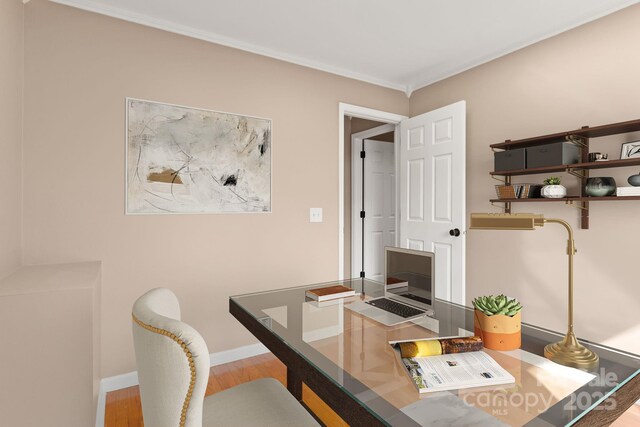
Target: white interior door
{"points": [[432, 193], [378, 227], [379, 205]]}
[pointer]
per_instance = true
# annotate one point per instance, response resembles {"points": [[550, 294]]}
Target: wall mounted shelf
{"points": [[568, 199], [585, 132], [580, 170], [566, 168]]}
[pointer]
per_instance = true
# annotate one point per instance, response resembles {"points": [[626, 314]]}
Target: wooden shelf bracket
{"points": [[579, 205], [578, 173], [504, 206], [580, 141]]}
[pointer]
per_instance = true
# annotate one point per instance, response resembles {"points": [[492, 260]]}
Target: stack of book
{"points": [[628, 191]]}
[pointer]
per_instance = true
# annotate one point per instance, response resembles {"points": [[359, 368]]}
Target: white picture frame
{"points": [[186, 160], [630, 150]]}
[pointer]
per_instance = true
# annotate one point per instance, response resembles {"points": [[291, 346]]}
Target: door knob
{"points": [[455, 232]]}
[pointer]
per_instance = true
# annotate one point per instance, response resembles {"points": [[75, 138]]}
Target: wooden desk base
{"points": [[624, 398], [299, 371]]}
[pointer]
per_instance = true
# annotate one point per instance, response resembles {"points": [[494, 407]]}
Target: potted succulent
{"points": [[552, 188], [497, 320]]}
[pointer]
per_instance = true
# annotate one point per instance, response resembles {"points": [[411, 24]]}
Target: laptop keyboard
{"points": [[394, 307]]}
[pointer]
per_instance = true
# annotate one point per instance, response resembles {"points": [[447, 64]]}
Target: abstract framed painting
{"points": [[630, 150], [183, 160]]}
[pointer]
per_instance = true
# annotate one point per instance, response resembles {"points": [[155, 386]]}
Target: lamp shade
{"points": [[519, 221]]}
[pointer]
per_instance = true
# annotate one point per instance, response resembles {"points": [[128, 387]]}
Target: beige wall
{"points": [[11, 71], [79, 69], [588, 76], [81, 66]]}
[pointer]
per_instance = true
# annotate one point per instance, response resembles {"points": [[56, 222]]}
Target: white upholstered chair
{"points": [[173, 370]]}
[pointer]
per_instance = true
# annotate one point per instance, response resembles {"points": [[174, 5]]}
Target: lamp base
{"points": [[569, 352]]}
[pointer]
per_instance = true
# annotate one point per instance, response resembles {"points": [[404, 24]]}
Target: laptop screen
{"points": [[409, 276]]}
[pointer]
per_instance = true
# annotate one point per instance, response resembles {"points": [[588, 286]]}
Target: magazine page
{"points": [[455, 371]]}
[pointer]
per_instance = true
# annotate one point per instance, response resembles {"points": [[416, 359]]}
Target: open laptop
{"points": [[409, 278]]}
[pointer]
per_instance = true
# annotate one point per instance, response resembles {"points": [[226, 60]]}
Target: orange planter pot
{"points": [[498, 332]]}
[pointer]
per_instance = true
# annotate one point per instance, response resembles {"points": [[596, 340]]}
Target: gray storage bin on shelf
{"points": [[510, 160], [558, 153]]}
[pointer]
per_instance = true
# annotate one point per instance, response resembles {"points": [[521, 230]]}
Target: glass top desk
{"points": [[346, 360]]}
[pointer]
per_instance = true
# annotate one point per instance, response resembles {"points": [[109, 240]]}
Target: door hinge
{"points": [[363, 154], [362, 214], [362, 274]]}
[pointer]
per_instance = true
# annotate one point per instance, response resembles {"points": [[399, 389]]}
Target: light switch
{"points": [[315, 214]]}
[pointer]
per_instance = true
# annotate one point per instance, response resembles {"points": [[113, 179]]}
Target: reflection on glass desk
{"points": [[346, 359]]}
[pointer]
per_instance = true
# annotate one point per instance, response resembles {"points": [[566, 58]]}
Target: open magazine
{"points": [[454, 371]]}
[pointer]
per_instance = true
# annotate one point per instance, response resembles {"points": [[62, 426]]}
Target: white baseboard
{"points": [[237, 354], [119, 382], [130, 379], [100, 410]]}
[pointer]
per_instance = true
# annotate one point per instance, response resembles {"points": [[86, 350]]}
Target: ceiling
{"points": [[404, 45]]}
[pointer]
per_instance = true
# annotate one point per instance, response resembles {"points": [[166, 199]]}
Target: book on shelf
{"points": [[330, 292], [627, 191], [453, 365]]}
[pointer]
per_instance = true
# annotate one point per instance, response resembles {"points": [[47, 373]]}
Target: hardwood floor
{"points": [[123, 406]]}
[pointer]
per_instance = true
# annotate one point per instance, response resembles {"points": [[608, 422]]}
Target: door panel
{"points": [[444, 262], [375, 267], [441, 190], [433, 201], [442, 130], [416, 137], [415, 244], [415, 184], [377, 205], [392, 197]]}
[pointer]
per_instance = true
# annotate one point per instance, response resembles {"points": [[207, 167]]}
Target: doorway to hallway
{"points": [[428, 192], [373, 199]]}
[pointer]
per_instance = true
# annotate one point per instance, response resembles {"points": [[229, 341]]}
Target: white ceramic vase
{"points": [[554, 191]]}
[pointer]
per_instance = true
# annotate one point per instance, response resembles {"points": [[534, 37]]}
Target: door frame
{"points": [[349, 110], [356, 166]]}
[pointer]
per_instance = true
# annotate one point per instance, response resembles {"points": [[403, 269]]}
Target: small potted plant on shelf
{"points": [[552, 188], [497, 320]]}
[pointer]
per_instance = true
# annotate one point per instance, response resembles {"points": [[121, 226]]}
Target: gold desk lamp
{"points": [[569, 351]]}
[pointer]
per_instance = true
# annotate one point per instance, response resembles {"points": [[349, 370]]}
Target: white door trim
{"points": [[362, 113], [356, 171]]}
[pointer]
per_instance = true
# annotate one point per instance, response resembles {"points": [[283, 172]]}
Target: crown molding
{"points": [[211, 37], [430, 78], [423, 80]]}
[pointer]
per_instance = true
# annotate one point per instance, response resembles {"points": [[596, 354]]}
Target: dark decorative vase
{"points": [[634, 180], [600, 186]]}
